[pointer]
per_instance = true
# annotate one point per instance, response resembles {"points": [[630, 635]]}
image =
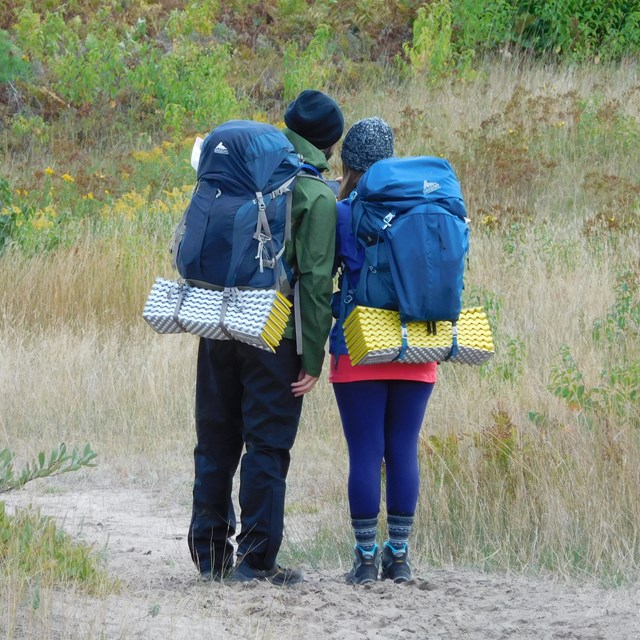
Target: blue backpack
{"points": [[410, 217], [234, 230]]}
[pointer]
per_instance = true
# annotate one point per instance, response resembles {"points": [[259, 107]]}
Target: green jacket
{"points": [[311, 251]]}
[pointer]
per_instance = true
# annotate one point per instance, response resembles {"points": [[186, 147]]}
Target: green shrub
{"points": [[12, 64], [481, 26], [604, 29], [432, 51], [31, 546], [189, 85], [308, 68]]}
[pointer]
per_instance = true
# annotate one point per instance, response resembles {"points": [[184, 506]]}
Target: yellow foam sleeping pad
{"points": [[376, 335]]}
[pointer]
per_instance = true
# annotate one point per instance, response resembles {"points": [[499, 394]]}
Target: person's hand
{"points": [[304, 384]]}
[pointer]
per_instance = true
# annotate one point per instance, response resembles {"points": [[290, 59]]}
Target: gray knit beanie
{"points": [[366, 142]]}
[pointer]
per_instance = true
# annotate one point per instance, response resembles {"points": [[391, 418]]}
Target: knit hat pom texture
{"points": [[366, 142]]}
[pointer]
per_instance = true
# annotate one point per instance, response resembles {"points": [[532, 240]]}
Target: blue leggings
{"points": [[381, 420]]}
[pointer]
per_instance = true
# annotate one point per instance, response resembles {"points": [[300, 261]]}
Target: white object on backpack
{"points": [[195, 152]]}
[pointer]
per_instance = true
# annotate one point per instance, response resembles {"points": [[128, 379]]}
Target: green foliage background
{"points": [[184, 65], [84, 82]]}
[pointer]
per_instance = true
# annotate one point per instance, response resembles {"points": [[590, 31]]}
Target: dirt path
{"points": [[144, 542]]}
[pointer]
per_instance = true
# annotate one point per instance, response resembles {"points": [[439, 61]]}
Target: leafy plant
{"points": [[619, 391], [308, 68], [567, 382], [508, 364], [60, 461], [431, 50], [12, 65], [7, 213], [480, 26], [604, 29], [623, 318], [32, 546]]}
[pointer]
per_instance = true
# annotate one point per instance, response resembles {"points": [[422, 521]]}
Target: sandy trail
{"points": [[144, 543]]}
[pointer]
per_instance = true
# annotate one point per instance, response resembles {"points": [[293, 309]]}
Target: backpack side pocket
{"points": [[375, 287], [426, 255]]}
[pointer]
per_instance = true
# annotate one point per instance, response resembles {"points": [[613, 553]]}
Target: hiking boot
{"points": [[395, 564], [366, 565], [277, 575]]}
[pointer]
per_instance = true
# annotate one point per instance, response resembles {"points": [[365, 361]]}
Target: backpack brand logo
{"points": [[430, 187], [221, 149]]}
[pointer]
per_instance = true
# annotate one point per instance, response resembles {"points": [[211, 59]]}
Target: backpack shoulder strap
{"points": [[179, 232], [309, 171]]}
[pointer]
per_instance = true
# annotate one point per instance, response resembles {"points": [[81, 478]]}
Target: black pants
{"points": [[243, 399]]}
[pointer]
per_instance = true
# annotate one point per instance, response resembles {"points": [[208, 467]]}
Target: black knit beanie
{"points": [[316, 117], [366, 142]]}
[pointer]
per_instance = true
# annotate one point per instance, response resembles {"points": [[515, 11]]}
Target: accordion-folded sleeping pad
{"points": [[376, 335], [255, 316]]}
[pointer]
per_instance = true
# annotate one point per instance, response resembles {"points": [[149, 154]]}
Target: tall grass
{"points": [[527, 463]]}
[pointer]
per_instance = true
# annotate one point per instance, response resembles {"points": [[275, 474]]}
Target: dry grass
{"points": [[514, 477]]}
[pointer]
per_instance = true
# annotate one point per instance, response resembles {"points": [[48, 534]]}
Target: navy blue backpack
{"points": [[410, 217], [234, 230]]}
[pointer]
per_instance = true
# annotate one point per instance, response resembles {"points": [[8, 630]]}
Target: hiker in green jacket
{"points": [[311, 250], [251, 398]]}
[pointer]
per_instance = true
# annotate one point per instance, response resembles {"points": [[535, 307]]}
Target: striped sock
{"points": [[399, 530], [365, 530]]}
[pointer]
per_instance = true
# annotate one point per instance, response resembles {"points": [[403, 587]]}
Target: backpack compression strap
{"points": [[263, 232], [178, 305], [431, 328], [263, 236], [309, 171]]}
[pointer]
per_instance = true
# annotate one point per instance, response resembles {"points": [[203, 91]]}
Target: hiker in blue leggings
{"points": [[382, 406]]}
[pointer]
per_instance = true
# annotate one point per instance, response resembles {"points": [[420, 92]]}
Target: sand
{"points": [[161, 597]]}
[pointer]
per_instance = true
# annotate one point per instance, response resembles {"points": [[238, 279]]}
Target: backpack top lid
{"points": [[246, 156], [400, 184]]}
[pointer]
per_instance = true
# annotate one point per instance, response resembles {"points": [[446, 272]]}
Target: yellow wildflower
{"points": [[67, 178], [489, 221], [13, 210], [49, 171], [41, 223], [141, 155]]}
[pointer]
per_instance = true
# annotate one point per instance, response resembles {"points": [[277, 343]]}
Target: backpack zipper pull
{"points": [[387, 220]]}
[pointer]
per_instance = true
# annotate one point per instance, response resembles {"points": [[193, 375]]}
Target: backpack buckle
{"points": [[262, 256]]}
